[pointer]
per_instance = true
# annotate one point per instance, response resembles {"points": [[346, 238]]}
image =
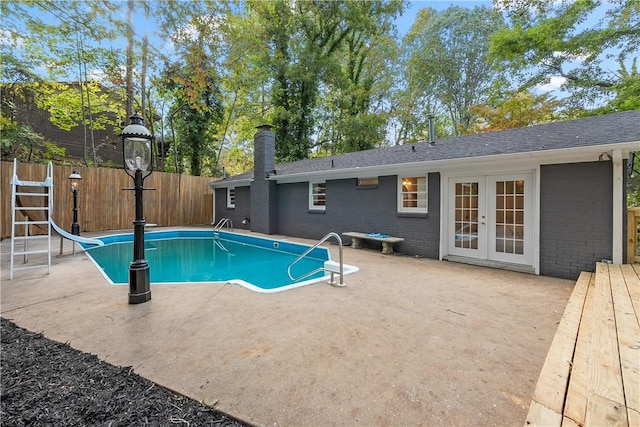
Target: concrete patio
{"points": [[407, 342]]}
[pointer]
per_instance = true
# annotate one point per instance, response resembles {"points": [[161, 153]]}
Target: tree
{"points": [[570, 40], [448, 56], [627, 89], [517, 110], [314, 48], [361, 78], [65, 35]]}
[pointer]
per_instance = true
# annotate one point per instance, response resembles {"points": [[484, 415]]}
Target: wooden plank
{"points": [[568, 422], [633, 416], [605, 392], [632, 278], [576, 402], [553, 380], [628, 332], [540, 415], [604, 412]]}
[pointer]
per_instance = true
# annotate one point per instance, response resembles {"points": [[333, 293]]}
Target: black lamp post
{"points": [[75, 180], [137, 149]]}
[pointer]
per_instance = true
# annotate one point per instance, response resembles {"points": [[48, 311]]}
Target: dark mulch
{"points": [[48, 383]]}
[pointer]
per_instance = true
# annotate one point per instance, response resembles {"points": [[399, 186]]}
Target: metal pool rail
{"points": [[327, 266]]}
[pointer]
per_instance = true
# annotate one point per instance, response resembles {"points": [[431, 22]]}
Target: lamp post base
{"points": [[139, 283]]}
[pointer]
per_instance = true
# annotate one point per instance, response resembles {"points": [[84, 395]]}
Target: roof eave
{"points": [[562, 155], [224, 183]]}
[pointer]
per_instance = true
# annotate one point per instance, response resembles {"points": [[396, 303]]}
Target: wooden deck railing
{"points": [[591, 376], [633, 234]]}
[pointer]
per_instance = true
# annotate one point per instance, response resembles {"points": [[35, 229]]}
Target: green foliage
{"points": [[570, 40], [520, 109], [22, 143], [330, 75], [447, 56], [633, 191], [627, 89], [67, 105], [196, 108], [308, 48]]}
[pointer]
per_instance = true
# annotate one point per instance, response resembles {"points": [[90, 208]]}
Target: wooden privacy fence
{"points": [[633, 248], [103, 205]]}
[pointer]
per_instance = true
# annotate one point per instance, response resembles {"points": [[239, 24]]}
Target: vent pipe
{"points": [[432, 130]]}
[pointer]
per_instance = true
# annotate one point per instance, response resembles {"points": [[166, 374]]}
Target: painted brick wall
{"points": [[237, 214], [576, 204], [263, 206], [349, 208]]}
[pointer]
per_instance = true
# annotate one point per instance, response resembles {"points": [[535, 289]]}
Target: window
{"points": [[412, 194], [317, 195], [231, 197]]}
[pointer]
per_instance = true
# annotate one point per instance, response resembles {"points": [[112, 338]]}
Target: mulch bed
{"points": [[45, 382]]}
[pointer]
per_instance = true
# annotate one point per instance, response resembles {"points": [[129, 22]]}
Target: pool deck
{"points": [[408, 341]]}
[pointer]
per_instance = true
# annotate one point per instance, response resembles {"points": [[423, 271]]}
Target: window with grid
{"points": [[231, 197], [317, 195], [412, 194]]}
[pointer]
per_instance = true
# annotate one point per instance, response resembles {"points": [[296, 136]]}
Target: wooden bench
{"points": [[387, 241], [591, 376]]}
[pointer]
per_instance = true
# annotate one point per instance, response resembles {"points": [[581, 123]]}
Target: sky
{"points": [[408, 17]]}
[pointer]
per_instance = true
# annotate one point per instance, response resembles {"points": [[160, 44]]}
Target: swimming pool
{"points": [[202, 256]]}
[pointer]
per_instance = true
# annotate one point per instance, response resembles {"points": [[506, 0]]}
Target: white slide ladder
{"points": [[47, 207]]}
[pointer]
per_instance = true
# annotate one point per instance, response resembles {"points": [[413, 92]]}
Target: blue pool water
{"points": [[188, 256]]}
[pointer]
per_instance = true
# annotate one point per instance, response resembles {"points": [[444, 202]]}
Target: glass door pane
{"points": [[510, 216], [466, 214]]}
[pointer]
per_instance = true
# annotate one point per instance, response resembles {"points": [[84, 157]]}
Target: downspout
{"points": [[618, 204]]}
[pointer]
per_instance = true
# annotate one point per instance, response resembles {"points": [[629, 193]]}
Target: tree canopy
{"points": [[575, 41], [330, 76]]}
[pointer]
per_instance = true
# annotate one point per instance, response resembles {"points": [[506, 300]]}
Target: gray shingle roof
{"points": [[591, 131]]}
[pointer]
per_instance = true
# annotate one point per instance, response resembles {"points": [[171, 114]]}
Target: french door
{"points": [[491, 217]]}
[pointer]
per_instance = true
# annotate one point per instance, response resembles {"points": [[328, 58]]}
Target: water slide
{"points": [[40, 216], [73, 237]]}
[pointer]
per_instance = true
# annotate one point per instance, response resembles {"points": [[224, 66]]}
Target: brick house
{"points": [[24, 111], [547, 199]]}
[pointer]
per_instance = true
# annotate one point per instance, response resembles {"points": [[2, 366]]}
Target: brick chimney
{"points": [[263, 191]]}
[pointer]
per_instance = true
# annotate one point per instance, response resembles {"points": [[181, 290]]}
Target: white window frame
{"points": [[402, 193], [312, 205], [231, 198]]}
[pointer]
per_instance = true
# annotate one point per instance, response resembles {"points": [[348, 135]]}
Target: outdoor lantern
{"points": [[75, 180], [137, 150], [137, 145]]}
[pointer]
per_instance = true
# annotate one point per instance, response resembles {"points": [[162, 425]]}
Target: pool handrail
{"points": [[321, 241], [222, 223]]}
